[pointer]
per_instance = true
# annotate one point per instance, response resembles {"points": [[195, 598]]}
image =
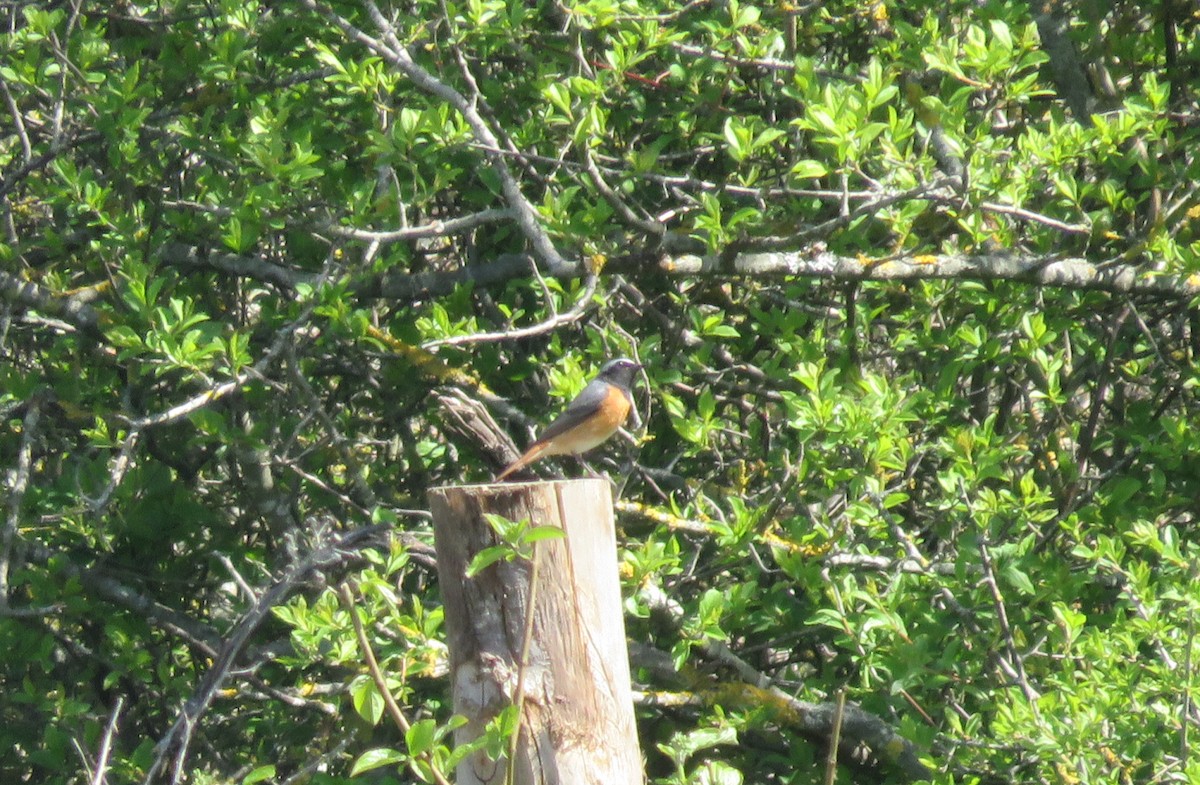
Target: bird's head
{"points": [[619, 371]]}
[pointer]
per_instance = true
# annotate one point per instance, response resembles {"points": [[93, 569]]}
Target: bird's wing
{"points": [[584, 405]]}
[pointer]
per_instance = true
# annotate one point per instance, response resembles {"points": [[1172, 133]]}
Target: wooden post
{"points": [[577, 725]]}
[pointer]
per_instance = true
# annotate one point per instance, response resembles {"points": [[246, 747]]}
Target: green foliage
{"points": [[231, 310], [516, 541]]}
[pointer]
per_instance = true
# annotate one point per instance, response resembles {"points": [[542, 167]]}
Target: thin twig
{"points": [[393, 51], [1185, 719], [523, 663], [100, 775], [393, 708], [227, 563], [305, 772], [1013, 664], [116, 474], [329, 552], [18, 122], [835, 737], [1144, 613], [554, 322], [763, 63]]}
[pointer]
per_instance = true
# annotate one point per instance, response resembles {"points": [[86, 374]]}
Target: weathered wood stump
{"points": [[577, 723]]}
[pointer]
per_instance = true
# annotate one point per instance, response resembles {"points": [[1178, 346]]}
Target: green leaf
{"points": [[539, 533], [367, 700], [683, 746], [715, 772], [1019, 579], [259, 775], [487, 557], [376, 757], [808, 169], [421, 737]]}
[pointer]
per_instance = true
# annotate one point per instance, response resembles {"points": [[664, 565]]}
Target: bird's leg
{"points": [[591, 470]]}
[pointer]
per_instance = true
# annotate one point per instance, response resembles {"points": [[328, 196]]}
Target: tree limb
{"points": [[1067, 273], [395, 53], [328, 551], [859, 728], [78, 314], [17, 488]]}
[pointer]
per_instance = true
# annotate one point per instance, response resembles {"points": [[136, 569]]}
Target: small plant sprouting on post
{"points": [[516, 542]]}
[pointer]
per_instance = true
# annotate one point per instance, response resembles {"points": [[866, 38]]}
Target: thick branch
{"points": [[330, 551], [109, 589], [78, 314], [1067, 273], [858, 727], [1053, 25]]}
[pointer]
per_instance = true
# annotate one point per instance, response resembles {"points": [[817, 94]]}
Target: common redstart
{"points": [[588, 421]]}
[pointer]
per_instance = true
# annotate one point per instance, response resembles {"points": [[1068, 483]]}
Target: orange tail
{"points": [[531, 455]]}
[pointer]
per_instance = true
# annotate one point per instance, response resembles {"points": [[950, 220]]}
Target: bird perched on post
{"points": [[589, 420]]}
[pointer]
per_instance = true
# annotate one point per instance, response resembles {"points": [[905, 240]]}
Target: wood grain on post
{"points": [[577, 724]]}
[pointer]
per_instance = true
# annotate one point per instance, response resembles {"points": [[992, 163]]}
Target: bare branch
{"points": [[812, 262], [395, 53], [762, 63], [652, 228], [101, 774], [217, 392], [1053, 23], [80, 315], [858, 727], [1030, 215], [1067, 272], [17, 486], [554, 322], [109, 589], [18, 122], [470, 419], [185, 256], [446, 228], [328, 552], [116, 474]]}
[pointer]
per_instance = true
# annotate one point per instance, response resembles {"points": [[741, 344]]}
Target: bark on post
{"points": [[577, 717]]}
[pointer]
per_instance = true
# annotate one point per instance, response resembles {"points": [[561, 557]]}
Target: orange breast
{"points": [[596, 430]]}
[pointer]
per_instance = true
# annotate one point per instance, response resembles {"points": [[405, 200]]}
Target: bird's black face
{"points": [[620, 371]]}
